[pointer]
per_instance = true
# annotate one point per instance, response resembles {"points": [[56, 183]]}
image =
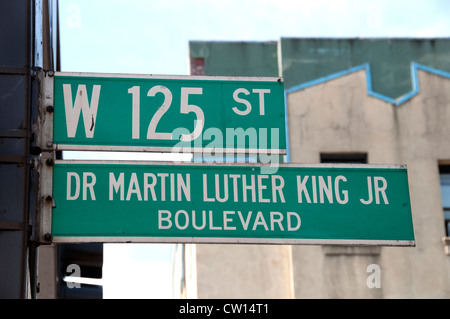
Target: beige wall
{"points": [[244, 271], [339, 116]]}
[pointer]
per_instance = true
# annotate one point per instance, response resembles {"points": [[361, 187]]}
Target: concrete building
{"points": [[376, 101]]}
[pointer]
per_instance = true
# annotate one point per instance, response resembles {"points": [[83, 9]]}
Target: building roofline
{"points": [[366, 66]]}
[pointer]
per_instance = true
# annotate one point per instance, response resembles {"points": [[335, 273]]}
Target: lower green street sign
{"points": [[341, 204]]}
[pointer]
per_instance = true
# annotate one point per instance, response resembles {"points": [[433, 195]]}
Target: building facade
{"points": [[375, 101]]}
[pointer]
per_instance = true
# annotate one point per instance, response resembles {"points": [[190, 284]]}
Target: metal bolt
{"points": [[48, 237], [50, 108], [49, 162], [49, 198], [49, 143]]}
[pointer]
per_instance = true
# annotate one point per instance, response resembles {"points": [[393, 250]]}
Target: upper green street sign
{"points": [[166, 113], [204, 203]]}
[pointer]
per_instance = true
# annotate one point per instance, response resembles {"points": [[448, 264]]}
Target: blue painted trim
{"points": [[327, 78], [366, 66]]}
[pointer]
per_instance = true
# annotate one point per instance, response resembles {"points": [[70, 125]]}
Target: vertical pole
{"points": [[46, 55]]}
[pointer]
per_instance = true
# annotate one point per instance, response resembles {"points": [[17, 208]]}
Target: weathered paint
{"points": [[305, 60]]}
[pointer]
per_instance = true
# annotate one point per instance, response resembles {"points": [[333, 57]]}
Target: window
{"points": [[348, 158], [444, 171]]}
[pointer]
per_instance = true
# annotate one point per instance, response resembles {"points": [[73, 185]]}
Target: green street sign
{"points": [[343, 204], [169, 113]]}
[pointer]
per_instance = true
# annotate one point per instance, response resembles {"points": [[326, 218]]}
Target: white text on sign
{"points": [[88, 109], [223, 188]]}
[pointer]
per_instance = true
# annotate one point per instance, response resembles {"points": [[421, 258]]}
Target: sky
{"points": [[152, 37]]}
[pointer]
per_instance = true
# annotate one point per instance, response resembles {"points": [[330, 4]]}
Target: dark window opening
{"points": [[350, 158], [444, 172]]}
